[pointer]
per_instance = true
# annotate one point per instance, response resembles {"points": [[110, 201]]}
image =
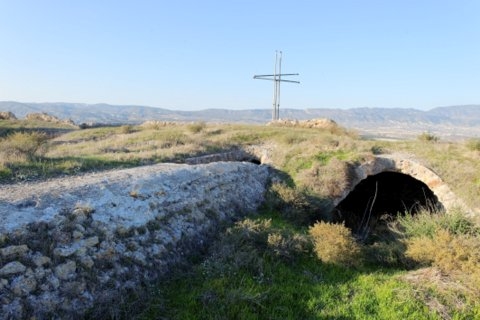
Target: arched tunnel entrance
{"points": [[379, 198]]}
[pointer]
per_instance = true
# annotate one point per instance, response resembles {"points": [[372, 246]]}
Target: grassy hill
{"points": [[453, 122], [286, 262]]}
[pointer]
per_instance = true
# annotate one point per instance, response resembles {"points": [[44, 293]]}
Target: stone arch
{"points": [[401, 184], [393, 163]]}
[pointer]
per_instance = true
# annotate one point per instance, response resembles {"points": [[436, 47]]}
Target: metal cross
{"points": [[276, 77]]}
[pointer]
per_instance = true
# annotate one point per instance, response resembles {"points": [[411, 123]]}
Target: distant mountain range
{"points": [[451, 122]]}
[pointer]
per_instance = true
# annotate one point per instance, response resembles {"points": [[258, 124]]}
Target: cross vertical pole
{"points": [[276, 77], [278, 84], [275, 89]]}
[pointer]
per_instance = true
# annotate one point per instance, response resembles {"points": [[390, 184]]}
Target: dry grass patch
{"points": [[453, 254], [329, 180], [442, 294]]}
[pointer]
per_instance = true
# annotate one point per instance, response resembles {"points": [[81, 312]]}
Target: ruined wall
{"points": [[84, 243]]}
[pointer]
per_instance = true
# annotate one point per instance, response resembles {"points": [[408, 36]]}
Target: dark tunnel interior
{"points": [[379, 198]]}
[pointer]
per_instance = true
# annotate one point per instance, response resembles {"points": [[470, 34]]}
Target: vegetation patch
{"points": [[428, 137], [473, 144], [335, 244], [289, 261]]}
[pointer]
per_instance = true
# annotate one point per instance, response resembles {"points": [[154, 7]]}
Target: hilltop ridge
{"points": [[452, 122]]}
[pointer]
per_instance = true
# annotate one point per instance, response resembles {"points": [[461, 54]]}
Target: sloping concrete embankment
{"points": [[82, 243]]}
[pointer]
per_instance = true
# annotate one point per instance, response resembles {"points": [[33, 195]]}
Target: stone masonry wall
{"points": [[82, 244]]}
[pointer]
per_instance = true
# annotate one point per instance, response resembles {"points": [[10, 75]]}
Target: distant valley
{"points": [[451, 123]]}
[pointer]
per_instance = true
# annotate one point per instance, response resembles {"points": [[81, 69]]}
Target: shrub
{"points": [[154, 125], [240, 247], [173, 139], [197, 127], [126, 129], [329, 180], [449, 252], [249, 243], [473, 144], [450, 242], [292, 203], [215, 132], [23, 145], [4, 172], [334, 243], [292, 138], [376, 149], [387, 254], [428, 137], [288, 246], [426, 224]]}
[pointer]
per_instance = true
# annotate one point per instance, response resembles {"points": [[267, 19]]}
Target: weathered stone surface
{"points": [[87, 262], [66, 270], [48, 118], [13, 310], [45, 303], [88, 240], [13, 251], [40, 260], [64, 252], [53, 281], [73, 288], [39, 273], [22, 285], [3, 283], [13, 267], [128, 189], [77, 235], [7, 115]]}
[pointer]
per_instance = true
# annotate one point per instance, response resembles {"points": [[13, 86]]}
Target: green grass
{"points": [[269, 287], [244, 278], [308, 290], [324, 157], [32, 124]]}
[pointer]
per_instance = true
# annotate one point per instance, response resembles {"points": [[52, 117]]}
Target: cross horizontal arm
{"points": [[273, 75], [280, 80]]}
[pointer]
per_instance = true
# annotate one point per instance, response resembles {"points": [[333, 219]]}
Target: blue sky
{"points": [[190, 55]]}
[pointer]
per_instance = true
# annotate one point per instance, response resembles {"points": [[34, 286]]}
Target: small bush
{"points": [[240, 248], [173, 139], [473, 144], [291, 203], [449, 242], [293, 138], [5, 172], [249, 243], [428, 137], [449, 252], [197, 127], [377, 149], [154, 125], [334, 243], [22, 145], [215, 132], [426, 224], [288, 246], [387, 254], [126, 129], [329, 180]]}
